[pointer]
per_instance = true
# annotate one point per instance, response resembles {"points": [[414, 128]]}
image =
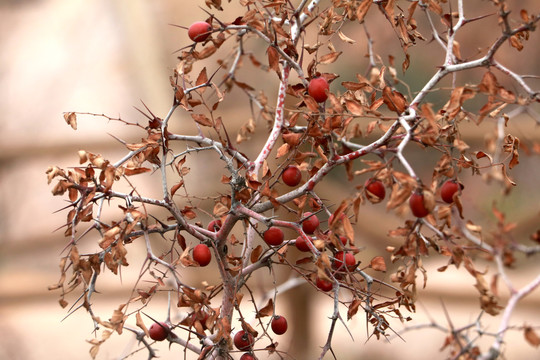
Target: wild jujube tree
{"points": [[320, 121]]}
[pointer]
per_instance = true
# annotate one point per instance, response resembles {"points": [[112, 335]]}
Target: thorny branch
{"points": [[331, 139]]}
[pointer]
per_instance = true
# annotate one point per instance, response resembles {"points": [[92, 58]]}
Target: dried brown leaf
{"points": [[140, 323], [136, 171], [267, 310], [202, 119], [175, 188], [71, 119], [531, 336], [378, 264], [311, 104], [330, 58], [362, 10], [354, 107], [353, 308], [273, 59], [345, 38], [256, 253], [202, 79]]}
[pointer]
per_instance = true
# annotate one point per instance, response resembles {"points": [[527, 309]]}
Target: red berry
{"points": [[214, 225], [291, 176], [202, 254], [159, 331], [310, 224], [317, 89], [199, 31], [279, 325], [417, 205], [343, 240], [324, 285], [376, 189], [273, 236], [247, 356], [448, 189], [301, 244], [243, 340], [344, 259]]}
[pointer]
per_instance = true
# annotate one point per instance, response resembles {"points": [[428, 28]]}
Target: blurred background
{"points": [[109, 56]]}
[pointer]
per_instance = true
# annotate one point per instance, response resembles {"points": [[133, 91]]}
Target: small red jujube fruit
{"points": [[324, 285], [202, 254], [375, 190], [344, 260], [317, 88], [418, 205], [273, 236], [199, 31], [448, 189], [158, 331], [214, 225], [243, 340], [279, 325], [301, 244], [310, 224], [247, 356], [291, 176]]}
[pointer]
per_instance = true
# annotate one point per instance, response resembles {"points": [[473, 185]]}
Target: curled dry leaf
{"points": [[140, 323], [71, 119], [330, 58], [345, 38], [283, 150], [202, 119], [378, 264], [531, 336], [353, 308], [256, 253], [267, 310]]}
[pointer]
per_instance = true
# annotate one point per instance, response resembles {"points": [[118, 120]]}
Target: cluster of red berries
{"points": [[244, 341], [274, 235], [417, 201]]}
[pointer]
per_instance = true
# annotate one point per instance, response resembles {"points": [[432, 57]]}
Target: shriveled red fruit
{"points": [[202, 254], [243, 340], [279, 325], [324, 285], [214, 225], [291, 176], [417, 204], [199, 31], [344, 259], [317, 88], [273, 236], [375, 190], [448, 189], [158, 331], [301, 244], [310, 224], [247, 356]]}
